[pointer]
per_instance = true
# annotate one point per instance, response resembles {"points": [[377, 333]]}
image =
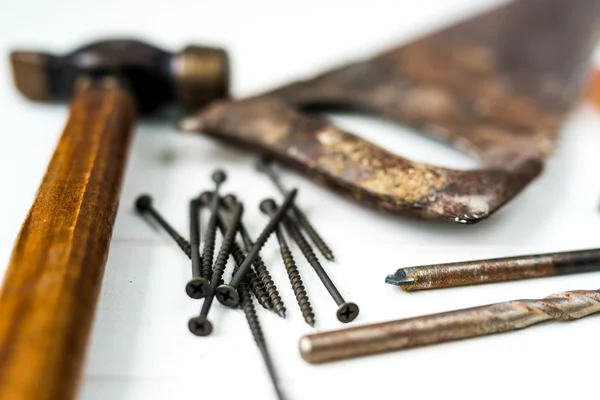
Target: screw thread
{"points": [[313, 234], [255, 285], [267, 282], [297, 285], [187, 249], [302, 243], [209, 250], [258, 289], [185, 246], [250, 312], [222, 258]]}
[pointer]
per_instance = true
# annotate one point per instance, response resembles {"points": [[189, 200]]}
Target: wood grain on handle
{"points": [[51, 286]]}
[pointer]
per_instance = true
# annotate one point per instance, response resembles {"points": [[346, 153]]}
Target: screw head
{"points": [[267, 205], [205, 197], [347, 312], [196, 288], [219, 176], [143, 203], [230, 201], [227, 295], [200, 326]]}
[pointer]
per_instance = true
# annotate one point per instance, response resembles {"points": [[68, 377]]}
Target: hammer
{"points": [[51, 287]]}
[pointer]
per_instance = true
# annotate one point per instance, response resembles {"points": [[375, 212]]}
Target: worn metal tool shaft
{"points": [[448, 326], [495, 270]]}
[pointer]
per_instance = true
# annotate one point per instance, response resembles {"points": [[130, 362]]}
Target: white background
{"points": [[141, 348]]}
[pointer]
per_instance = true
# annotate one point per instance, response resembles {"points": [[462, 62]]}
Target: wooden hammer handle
{"points": [[51, 286]]}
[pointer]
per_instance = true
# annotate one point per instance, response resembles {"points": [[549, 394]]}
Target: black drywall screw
{"points": [[218, 178], [257, 333], [269, 207], [239, 256], [264, 165], [200, 325], [346, 311], [260, 242], [143, 205], [261, 268], [196, 287]]}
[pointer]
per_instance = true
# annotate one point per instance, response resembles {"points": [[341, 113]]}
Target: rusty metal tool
{"points": [[448, 326], [227, 294], [498, 87], [264, 164], [495, 270], [51, 286]]}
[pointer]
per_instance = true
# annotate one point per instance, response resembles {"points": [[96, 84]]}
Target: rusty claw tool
{"points": [[497, 86]]}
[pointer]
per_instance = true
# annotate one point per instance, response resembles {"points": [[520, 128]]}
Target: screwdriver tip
{"points": [[399, 279]]}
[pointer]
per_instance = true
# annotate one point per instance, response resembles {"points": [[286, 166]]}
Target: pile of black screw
{"points": [[250, 275]]}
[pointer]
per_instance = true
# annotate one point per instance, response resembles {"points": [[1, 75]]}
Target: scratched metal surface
{"points": [[141, 348]]}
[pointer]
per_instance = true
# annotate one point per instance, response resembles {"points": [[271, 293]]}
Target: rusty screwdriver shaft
{"points": [[495, 270], [448, 326]]}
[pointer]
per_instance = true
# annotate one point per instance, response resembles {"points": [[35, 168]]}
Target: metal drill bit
{"points": [[346, 311], [200, 325], [238, 255], [448, 326], [292, 270], [143, 205], [495, 270], [264, 164], [257, 333], [261, 268], [260, 241], [218, 178], [196, 287]]}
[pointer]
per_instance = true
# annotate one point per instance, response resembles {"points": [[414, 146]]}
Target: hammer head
{"points": [[190, 78]]}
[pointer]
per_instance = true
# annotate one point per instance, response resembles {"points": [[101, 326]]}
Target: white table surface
{"points": [[141, 348]]}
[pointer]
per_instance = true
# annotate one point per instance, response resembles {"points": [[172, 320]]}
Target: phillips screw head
{"points": [[347, 312], [196, 287], [200, 326], [227, 296]]}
